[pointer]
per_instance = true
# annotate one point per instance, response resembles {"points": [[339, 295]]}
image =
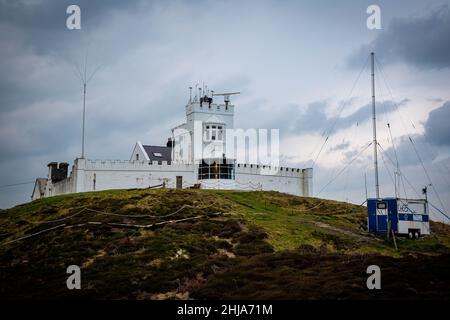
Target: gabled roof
{"points": [[158, 153]]}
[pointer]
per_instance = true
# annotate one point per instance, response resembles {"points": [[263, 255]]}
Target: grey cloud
{"points": [[315, 118], [340, 146], [38, 50], [435, 100], [419, 41], [364, 113], [437, 127], [405, 152], [435, 140]]}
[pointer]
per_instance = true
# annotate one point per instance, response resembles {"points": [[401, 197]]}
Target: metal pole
{"points": [[395, 184], [84, 120], [374, 121], [365, 184]]}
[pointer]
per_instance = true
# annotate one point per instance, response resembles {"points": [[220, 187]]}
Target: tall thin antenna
{"points": [[365, 184], [84, 118], [374, 123], [398, 177], [190, 94], [85, 78]]}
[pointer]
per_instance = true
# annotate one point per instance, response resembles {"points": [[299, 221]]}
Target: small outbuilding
{"points": [[408, 217]]}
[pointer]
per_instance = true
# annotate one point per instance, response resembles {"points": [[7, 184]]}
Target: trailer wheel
{"points": [[417, 234], [410, 235]]}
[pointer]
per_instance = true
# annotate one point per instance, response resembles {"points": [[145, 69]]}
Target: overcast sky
{"points": [[295, 63]]}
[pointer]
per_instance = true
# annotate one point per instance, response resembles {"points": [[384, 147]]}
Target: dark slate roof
{"points": [[166, 153]]}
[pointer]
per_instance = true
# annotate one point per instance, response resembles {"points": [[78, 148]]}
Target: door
{"points": [[179, 182], [382, 214]]}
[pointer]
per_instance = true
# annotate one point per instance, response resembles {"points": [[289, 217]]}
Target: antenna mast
{"points": [[85, 78], [84, 118], [374, 123]]}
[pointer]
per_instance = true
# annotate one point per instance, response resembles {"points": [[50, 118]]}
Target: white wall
{"points": [[289, 180], [62, 187], [104, 175], [95, 175]]}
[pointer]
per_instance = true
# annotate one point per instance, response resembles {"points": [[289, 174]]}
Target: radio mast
{"points": [[374, 123], [85, 78]]}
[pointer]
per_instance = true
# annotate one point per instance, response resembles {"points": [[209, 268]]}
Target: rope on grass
{"points": [[112, 224], [152, 216], [84, 209], [35, 234]]}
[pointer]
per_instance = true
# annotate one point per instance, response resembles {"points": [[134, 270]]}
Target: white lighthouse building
{"points": [[204, 152]]}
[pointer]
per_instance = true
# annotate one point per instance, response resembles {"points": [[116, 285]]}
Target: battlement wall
{"points": [[272, 171], [95, 175], [101, 165]]}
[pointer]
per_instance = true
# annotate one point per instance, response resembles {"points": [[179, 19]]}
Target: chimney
{"points": [[52, 167], [169, 143], [56, 173], [63, 168]]}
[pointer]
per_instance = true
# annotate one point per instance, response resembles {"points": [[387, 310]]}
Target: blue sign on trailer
{"points": [[403, 216]]}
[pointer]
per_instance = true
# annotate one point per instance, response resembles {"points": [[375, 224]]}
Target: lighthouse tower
{"points": [[201, 139]]}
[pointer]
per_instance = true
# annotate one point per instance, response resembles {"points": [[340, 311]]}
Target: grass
{"points": [[293, 221], [263, 245]]}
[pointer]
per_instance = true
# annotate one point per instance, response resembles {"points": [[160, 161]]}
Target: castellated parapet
{"points": [[94, 175]]}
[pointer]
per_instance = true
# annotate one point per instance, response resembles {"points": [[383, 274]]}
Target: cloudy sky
{"points": [[295, 63]]}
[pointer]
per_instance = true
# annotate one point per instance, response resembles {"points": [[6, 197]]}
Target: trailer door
{"points": [[382, 214], [392, 214]]}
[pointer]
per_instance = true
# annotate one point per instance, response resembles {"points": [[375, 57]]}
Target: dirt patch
{"points": [[357, 236]]}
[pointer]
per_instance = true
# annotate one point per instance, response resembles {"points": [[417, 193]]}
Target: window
{"points": [[218, 169], [207, 133], [381, 205], [137, 156], [219, 133], [157, 154], [213, 133]]}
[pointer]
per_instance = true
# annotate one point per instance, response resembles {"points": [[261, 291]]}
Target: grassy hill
{"points": [[204, 244]]}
